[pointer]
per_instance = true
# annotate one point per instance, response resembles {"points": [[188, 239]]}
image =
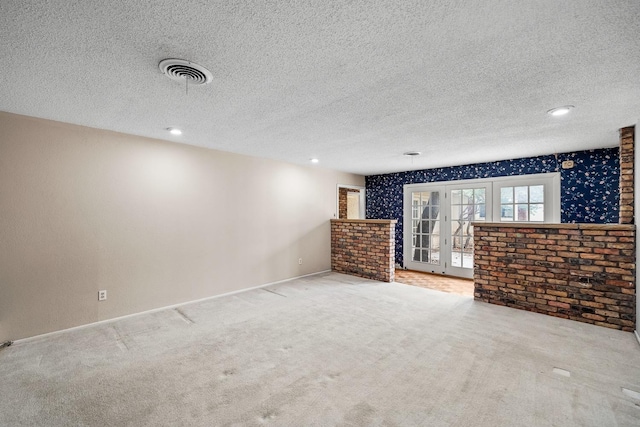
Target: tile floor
{"points": [[452, 285]]}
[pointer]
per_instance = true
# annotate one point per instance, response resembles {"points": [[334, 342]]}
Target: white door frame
{"points": [[407, 232], [362, 199]]}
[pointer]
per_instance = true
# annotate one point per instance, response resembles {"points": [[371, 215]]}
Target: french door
{"points": [[438, 226], [466, 204], [425, 228], [438, 235]]}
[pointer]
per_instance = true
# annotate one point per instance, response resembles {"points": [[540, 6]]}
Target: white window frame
{"points": [[551, 183]]}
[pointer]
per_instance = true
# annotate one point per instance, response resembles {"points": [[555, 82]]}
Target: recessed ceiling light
{"points": [[314, 160], [174, 131], [560, 111], [412, 153]]}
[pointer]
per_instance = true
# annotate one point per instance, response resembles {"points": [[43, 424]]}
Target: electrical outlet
{"points": [[299, 261], [102, 295]]}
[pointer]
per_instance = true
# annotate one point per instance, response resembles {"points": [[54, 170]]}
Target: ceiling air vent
{"points": [[181, 70]]}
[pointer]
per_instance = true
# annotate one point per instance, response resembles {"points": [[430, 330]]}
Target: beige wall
{"points": [[152, 222]]}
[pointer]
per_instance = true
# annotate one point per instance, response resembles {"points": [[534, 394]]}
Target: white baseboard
{"points": [[153, 310]]}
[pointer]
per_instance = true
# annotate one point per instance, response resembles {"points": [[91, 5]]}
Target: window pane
{"points": [[456, 259], [523, 212], [506, 195], [434, 199], [434, 251], [536, 212], [506, 213], [466, 231], [467, 196], [479, 195], [456, 228], [536, 194], [467, 259], [467, 212], [456, 197], [456, 212], [522, 194], [480, 213]]}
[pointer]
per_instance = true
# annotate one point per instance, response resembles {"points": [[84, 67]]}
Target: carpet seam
{"points": [[155, 310]]}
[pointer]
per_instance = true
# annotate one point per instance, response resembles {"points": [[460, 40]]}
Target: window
{"points": [[528, 198], [522, 203]]}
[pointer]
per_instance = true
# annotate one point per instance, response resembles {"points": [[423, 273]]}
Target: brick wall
{"points": [[627, 140], [364, 248], [583, 272]]}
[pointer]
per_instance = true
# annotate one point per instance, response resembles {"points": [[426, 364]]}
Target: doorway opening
{"points": [[351, 202]]}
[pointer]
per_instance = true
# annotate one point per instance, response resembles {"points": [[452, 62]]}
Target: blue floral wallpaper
{"points": [[589, 191]]}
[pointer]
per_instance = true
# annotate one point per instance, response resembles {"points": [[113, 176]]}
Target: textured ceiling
{"points": [[354, 83]]}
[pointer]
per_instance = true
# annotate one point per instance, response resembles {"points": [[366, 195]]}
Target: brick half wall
{"points": [[583, 272], [364, 248]]}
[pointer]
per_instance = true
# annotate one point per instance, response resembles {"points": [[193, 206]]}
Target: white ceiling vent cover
{"points": [[181, 70]]}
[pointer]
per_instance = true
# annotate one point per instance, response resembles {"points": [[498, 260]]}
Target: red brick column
{"points": [[364, 247], [627, 140], [583, 272]]}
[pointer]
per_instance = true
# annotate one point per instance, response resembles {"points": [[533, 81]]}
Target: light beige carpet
{"points": [[328, 350]]}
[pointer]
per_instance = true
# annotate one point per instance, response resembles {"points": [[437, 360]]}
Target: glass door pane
{"points": [[466, 205], [425, 223]]}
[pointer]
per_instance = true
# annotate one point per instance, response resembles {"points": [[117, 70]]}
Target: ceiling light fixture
{"points": [[560, 111], [314, 160], [412, 153], [174, 131]]}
